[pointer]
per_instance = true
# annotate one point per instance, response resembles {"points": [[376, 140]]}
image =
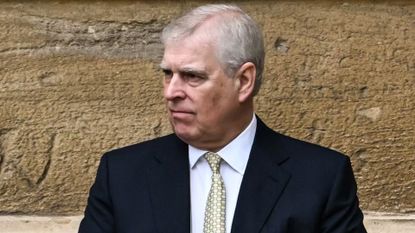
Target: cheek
{"points": [[214, 105], [215, 100], [212, 101]]}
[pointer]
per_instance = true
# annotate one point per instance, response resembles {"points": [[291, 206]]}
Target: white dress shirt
{"points": [[235, 156]]}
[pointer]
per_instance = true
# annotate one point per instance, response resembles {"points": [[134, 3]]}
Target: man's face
{"points": [[202, 101]]}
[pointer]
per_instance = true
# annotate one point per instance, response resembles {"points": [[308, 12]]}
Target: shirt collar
{"points": [[234, 153]]}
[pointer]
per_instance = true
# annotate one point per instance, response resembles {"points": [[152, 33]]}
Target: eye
{"points": [[190, 76], [167, 74], [193, 78]]}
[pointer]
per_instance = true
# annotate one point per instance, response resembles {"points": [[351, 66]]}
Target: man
{"points": [[222, 170]]}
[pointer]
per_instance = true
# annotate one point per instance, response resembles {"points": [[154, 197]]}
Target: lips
{"points": [[180, 114]]}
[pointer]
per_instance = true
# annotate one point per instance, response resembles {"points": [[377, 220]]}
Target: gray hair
{"points": [[239, 39]]}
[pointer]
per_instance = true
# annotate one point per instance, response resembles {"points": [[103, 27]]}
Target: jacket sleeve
{"points": [[342, 213], [98, 216]]}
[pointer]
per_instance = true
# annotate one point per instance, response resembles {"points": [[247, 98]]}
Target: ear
{"points": [[246, 76]]}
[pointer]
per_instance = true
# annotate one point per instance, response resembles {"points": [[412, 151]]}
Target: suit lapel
{"points": [[168, 178], [263, 182]]}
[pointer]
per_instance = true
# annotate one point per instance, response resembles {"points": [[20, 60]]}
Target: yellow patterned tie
{"points": [[215, 206]]}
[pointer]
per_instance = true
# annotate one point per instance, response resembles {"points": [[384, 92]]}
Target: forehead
{"points": [[191, 52]]}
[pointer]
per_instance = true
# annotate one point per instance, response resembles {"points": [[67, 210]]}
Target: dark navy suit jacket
{"points": [[289, 186]]}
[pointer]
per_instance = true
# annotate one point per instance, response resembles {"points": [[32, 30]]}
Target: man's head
{"points": [[213, 62], [237, 38]]}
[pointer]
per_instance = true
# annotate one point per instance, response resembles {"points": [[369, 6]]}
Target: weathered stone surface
{"points": [[79, 78]]}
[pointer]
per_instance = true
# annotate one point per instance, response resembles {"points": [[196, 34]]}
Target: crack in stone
{"points": [[3, 133], [20, 49], [49, 152], [157, 128], [1, 151], [132, 39], [317, 130]]}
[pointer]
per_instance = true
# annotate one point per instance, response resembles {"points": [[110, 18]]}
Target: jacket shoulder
{"points": [[145, 149], [304, 150], [296, 149], [312, 163]]}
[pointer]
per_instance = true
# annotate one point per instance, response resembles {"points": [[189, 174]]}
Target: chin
{"points": [[184, 134]]}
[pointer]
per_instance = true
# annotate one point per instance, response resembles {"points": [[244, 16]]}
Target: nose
{"points": [[174, 88]]}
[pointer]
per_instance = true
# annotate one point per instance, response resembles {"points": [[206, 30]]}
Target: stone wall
{"points": [[78, 78]]}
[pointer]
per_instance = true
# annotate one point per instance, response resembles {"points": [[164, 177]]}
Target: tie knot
{"points": [[214, 161]]}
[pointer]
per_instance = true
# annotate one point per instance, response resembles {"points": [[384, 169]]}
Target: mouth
{"points": [[180, 114]]}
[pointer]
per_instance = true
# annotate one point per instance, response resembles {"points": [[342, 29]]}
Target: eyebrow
{"points": [[186, 70]]}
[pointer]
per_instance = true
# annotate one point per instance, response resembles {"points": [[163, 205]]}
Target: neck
{"points": [[244, 119]]}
